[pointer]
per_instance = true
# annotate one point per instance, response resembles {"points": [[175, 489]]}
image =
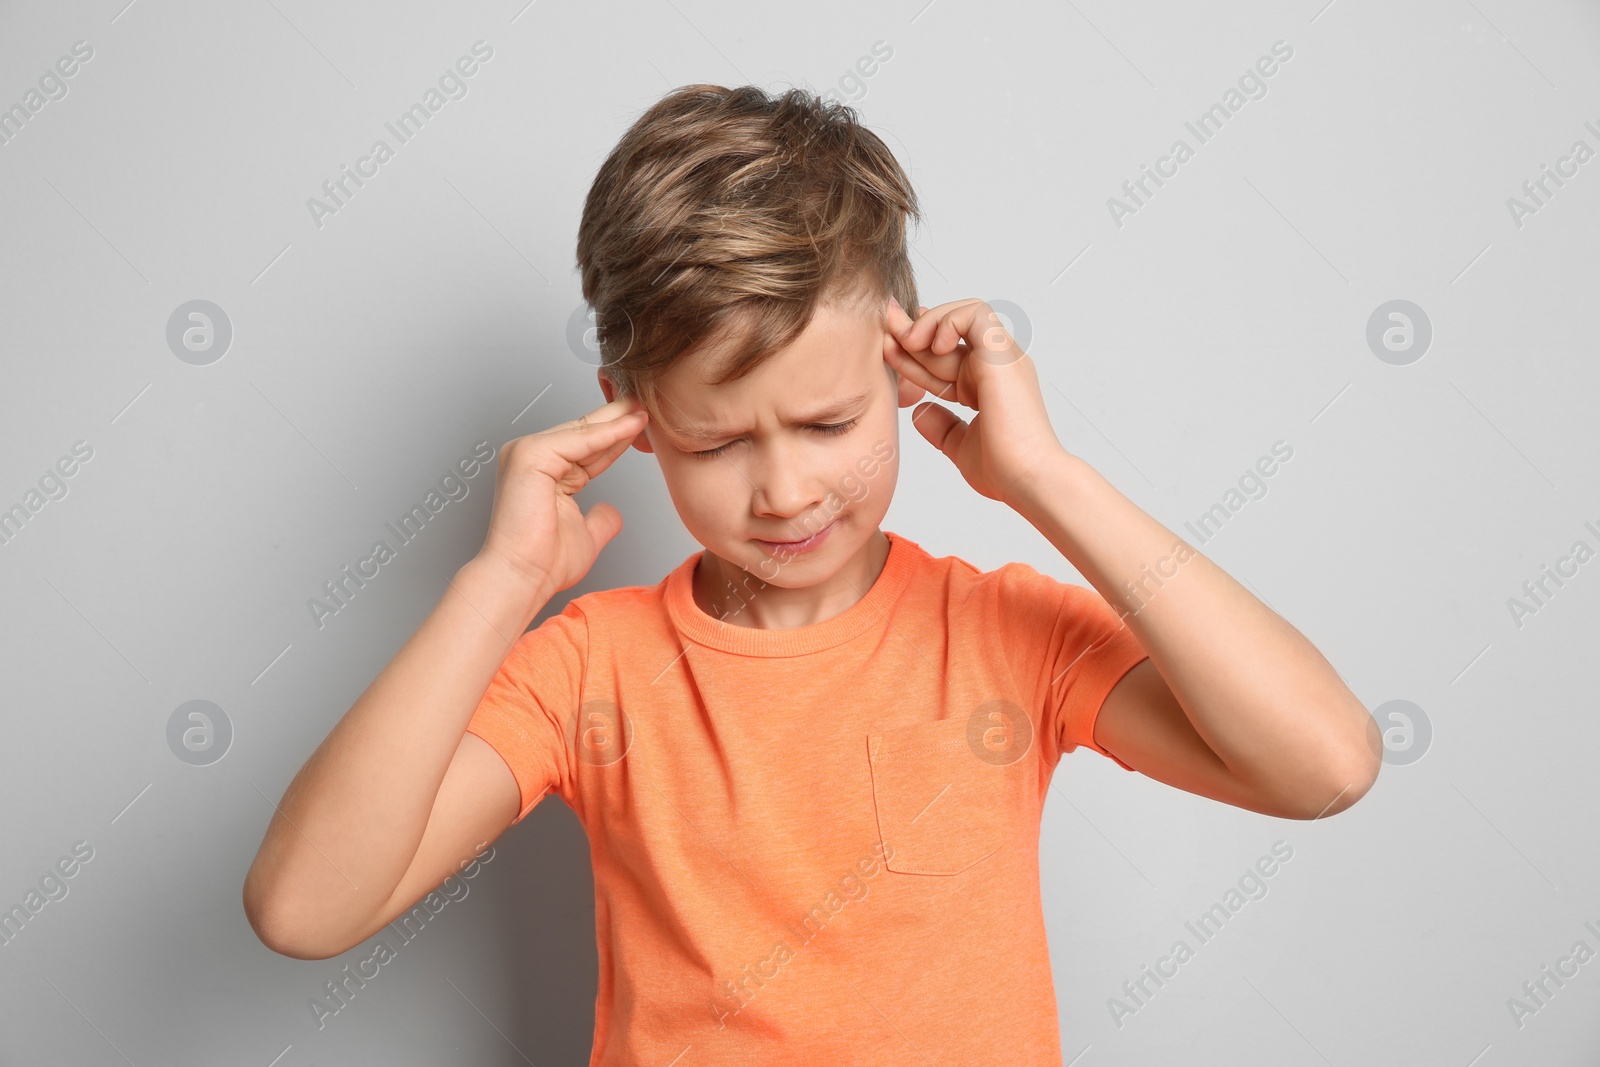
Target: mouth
{"points": [[792, 547]]}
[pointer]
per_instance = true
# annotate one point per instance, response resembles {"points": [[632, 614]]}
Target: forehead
{"points": [[828, 372]]}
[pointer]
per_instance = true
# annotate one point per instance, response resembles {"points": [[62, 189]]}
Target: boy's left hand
{"points": [[961, 351]]}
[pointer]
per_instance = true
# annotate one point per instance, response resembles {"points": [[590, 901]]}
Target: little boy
{"points": [[812, 760]]}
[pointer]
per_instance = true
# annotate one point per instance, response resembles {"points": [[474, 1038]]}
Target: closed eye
{"points": [[827, 428]]}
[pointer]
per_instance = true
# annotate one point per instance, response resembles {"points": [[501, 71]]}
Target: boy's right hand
{"points": [[535, 527]]}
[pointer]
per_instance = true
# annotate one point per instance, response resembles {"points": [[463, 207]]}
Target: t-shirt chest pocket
{"points": [[941, 807]]}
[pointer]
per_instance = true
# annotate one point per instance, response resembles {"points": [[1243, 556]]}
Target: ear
{"points": [[907, 392], [642, 442]]}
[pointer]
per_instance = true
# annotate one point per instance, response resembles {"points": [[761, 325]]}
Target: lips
{"points": [[801, 545]]}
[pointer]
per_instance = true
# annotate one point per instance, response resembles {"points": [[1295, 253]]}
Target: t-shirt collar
{"points": [[871, 610]]}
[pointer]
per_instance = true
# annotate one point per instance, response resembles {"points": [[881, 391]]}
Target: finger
{"points": [[896, 355], [981, 328], [589, 421], [622, 405], [970, 327], [572, 459], [940, 427], [908, 392], [900, 319], [897, 319], [909, 317], [912, 370], [945, 366], [604, 522], [928, 321], [595, 465], [593, 444]]}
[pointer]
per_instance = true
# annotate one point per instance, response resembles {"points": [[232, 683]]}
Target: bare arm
{"points": [[399, 795], [1234, 702], [349, 828]]}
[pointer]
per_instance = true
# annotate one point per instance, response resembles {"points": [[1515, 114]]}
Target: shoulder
{"points": [[963, 573], [1004, 589], [924, 565], [618, 607], [1018, 593], [620, 598]]}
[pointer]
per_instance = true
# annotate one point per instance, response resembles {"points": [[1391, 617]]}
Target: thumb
{"points": [[943, 428], [604, 522]]}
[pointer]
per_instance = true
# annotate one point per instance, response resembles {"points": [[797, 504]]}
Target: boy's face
{"points": [[754, 461]]}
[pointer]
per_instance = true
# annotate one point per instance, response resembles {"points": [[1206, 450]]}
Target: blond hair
{"points": [[725, 217]]}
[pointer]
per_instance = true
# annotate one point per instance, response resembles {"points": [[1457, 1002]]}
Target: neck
{"points": [[735, 595]]}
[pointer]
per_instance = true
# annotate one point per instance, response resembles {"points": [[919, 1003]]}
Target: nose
{"points": [[785, 487]]}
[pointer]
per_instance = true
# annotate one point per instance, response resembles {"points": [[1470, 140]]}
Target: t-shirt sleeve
{"points": [[527, 712], [1067, 648]]}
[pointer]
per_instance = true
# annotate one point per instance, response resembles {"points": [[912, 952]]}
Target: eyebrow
{"points": [[832, 410]]}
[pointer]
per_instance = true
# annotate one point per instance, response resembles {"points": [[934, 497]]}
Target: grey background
{"points": [[1230, 312]]}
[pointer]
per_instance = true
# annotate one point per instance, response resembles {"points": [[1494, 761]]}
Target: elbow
{"points": [[275, 926], [271, 929], [285, 940], [1339, 792], [1351, 772]]}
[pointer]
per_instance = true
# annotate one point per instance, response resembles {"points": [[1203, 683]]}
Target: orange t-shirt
{"points": [[815, 845]]}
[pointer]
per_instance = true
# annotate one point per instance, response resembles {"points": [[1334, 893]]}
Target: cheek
{"points": [[688, 480], [699, 487], [870, 469]]}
